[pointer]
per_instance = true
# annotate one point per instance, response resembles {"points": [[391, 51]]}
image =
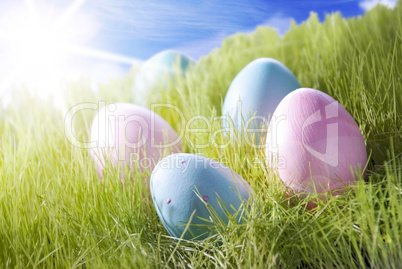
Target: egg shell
{"points": [[311, 135], [156, 70], [175, 183], [260, 86], [128, 134]]}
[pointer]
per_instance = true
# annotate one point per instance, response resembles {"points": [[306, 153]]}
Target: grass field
{"points": [[55, 212]]}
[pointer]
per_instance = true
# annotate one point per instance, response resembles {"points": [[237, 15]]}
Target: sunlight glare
{"points": [[36, 44], [41, 46], [35, 48]]}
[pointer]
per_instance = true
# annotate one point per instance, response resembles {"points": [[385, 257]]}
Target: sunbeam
{"points": [[31, 8], [41, 51], [66, 16], [99, 54]]}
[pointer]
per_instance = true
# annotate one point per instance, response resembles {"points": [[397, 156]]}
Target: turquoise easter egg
{"points": [[254, 94], [157, 70], [185, 186]]}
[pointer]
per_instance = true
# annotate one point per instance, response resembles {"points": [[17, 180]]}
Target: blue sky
{"points": [[104, 38], [142, 28]]}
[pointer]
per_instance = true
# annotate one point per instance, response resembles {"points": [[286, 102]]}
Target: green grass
{"points": [[55, 212]]}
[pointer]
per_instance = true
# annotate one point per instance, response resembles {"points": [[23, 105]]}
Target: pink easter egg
{"points": [[313, 142], [127, 134]]}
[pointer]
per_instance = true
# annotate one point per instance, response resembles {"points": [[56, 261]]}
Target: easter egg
{"points": [[314, 143], [183, 184], [163, 66], [126, 134], [254, 94]]}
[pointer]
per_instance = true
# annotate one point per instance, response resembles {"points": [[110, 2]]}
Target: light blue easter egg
{"points": [[255, 93], [183, 184], [157, 70]]}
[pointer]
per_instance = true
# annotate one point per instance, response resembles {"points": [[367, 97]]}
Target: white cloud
{"points": [[198, 48], [171, 20], [369, 4], [278, 22]]}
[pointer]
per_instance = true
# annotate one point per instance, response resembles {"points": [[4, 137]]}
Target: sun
{"points": [[36, 46], [38, 43]]}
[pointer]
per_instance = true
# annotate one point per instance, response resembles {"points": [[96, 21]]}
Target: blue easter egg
{"points": [[183, 184], [254, 94], [156, 70]]}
